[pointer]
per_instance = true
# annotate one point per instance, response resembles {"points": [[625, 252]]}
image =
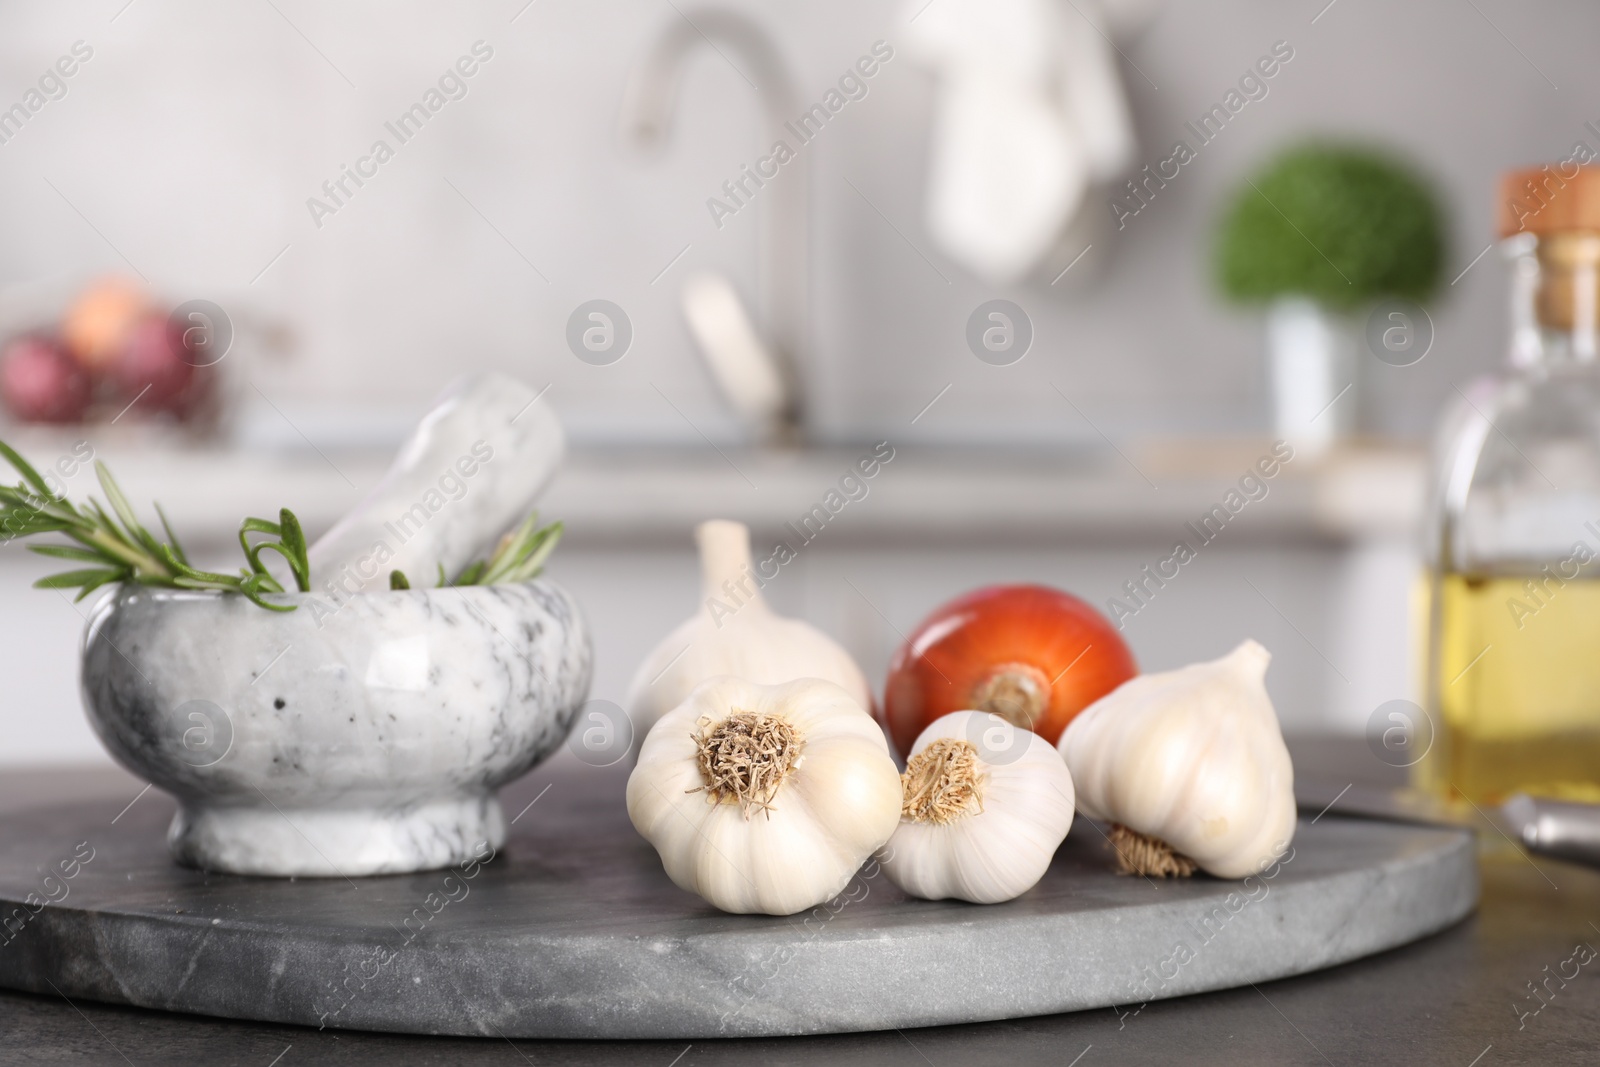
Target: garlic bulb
{"points": [[735, 633], [985, 806], [765, 798], [1192, 767]]}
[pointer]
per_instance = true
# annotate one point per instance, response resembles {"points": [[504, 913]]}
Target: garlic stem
{"points": [[1142, 854], [725, 571], [941, 783], [745, 758]]}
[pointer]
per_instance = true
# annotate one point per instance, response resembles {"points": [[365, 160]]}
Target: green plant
{"points": [[1340, 224], [121, 549], [518, 557]]}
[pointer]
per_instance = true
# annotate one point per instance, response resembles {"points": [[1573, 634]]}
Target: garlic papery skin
{"points": [[1193, 758], [984, 807], [735, 633], [765, 798]]}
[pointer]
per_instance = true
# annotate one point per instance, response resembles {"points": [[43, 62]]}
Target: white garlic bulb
{"points": [[1192, 763], [984, 807], [765, 798], [735, 633]]}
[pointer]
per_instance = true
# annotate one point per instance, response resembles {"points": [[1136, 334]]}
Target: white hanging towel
{"points": [[1030, 113]]}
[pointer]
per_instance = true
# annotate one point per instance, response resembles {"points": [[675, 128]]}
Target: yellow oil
{"points": [[1516, 687]]}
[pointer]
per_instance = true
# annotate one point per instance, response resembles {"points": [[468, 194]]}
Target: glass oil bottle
{"points": [[1513, 619]]}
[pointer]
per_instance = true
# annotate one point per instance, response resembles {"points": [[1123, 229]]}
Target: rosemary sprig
{"points": [[519, 557], [121, 549]]}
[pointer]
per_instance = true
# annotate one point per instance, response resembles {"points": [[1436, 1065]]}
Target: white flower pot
{"points": [[1312, 365]]}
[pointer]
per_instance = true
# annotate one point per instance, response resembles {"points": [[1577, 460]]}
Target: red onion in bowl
{"points": [[40, 382]]}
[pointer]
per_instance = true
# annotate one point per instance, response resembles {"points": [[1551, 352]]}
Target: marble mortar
{"points": [[367, 741]]}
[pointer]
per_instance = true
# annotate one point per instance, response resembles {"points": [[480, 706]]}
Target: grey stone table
{"points": [[574, 931], [1446, 999]]}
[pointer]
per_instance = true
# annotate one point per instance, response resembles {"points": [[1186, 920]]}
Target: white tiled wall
{"points": [[188, 145]]}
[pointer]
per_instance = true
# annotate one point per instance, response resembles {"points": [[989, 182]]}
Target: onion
{"points": [[41, 383], [1033, 655], [154, 364]]}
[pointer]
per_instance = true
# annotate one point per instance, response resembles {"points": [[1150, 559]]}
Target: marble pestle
{"points": [[469, 471]]}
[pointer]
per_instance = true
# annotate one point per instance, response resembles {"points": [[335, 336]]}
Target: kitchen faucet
{"points": [[755, 368]]}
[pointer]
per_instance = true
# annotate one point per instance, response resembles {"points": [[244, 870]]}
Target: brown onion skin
{"points": [[948, 662]]}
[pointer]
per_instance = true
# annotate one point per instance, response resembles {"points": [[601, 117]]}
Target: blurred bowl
{"points": [[158, 369]]}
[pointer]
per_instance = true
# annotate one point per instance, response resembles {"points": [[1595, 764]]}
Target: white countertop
{"points": [[640, 496]]}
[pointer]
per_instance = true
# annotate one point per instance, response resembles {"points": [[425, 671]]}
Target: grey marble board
{"points": [[573, 931]]}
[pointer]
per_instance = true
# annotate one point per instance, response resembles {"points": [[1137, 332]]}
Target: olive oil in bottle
{"points": [[1513, 606], [1519, 666]]}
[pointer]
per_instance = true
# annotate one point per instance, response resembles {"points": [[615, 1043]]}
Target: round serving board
{"points": [[574, 931]]}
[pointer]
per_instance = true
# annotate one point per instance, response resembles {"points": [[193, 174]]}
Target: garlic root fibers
{"points": [[745, 758], [1142, 854], [942, 783]]}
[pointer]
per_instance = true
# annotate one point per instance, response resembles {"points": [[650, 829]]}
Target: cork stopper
{"points": [[1554, 198]]}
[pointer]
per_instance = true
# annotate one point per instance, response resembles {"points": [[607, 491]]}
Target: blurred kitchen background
{"points": [[185, 149]]}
